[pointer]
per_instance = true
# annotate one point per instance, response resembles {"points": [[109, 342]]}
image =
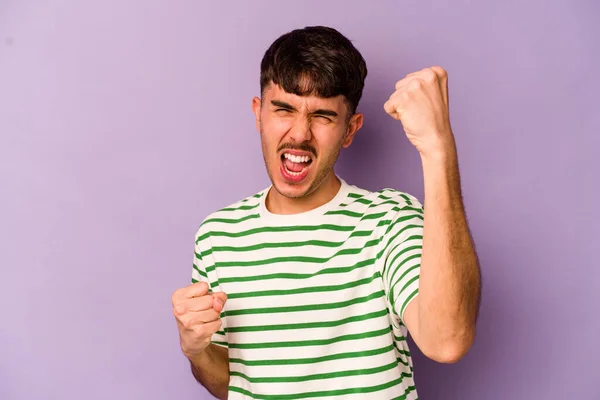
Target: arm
{"points": [[211, 369], [441, 319], [197, 314]]}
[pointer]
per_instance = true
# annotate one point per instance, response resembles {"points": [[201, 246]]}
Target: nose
{"points": [[301, 131]]}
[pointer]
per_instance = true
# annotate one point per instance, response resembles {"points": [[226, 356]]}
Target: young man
{"points": [[309, 288]]}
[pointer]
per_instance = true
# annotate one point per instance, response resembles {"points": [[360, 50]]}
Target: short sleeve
{"points": [[402, 255], [201, 272]]}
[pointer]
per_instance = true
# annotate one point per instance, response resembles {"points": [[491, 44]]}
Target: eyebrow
{"points": [[320, 111]]}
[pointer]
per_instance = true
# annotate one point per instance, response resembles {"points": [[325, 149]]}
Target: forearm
{"points": [[211, 369], [449, 284]]}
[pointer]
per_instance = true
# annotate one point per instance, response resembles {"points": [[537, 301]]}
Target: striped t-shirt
{"points": [[315, 299]]}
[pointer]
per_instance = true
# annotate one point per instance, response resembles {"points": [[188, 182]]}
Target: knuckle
{"points": [[413, 85], [429, 75], [441, 72], [176, 295], [186, 322], [179, 309], [199, 331]]}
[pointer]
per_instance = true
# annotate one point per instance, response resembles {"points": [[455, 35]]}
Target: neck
{"points": [[324, 193]]}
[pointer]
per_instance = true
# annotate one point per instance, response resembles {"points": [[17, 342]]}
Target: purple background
{"points": [[124, 123]]}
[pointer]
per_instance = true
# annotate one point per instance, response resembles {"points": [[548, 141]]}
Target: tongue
{"points": [[294, 167]]}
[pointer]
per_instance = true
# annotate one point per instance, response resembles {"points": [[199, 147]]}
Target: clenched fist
{"points": [[420, 102], [197, 312]]}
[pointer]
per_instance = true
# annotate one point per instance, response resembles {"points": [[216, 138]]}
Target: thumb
{"points": [[219, 300]]}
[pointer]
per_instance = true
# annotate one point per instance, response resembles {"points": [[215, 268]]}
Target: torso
{"points": [[307, 312]]}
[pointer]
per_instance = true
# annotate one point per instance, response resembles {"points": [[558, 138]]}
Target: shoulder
{"points": [[386, 199], [404, 211], [242, 210], [398, 198]]}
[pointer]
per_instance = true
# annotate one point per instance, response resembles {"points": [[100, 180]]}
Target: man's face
{"points": [[301, 138]]}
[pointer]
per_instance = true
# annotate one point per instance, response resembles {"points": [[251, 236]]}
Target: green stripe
{"points": [[256, 196], [286, 275], [298, 361], [395, 236], [406, 393], [307, 325], [308, 307], [370, 203], [404, 251], [306, 259], [403, 219], [260, 246], [362, 201], [231, 220], [405, 363], [347, 213], [405, 272], [408, 299], [355, 195], [279, 229], [408, 208], [355, 214], [201, 272], [391, 297], [374, 216], [406, 198], [413, 237], [240, 208], [325, 393], [211, 284], [313, 377], [404, 353], [311, 289], [386, 202], [315, 342]]}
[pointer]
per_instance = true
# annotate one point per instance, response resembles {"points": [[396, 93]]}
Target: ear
{"points": [[355, 123], [256, 106]]}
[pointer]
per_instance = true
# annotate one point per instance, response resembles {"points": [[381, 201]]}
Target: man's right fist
{"points": [[197, 312]]}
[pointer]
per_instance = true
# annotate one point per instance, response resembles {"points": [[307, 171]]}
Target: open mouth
{"points": [[294, 167]]}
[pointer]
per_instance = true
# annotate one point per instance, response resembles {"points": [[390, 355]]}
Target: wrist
{"points": [[442, 156], [198, 357], [440, 150]]}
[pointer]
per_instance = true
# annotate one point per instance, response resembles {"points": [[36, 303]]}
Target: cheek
{"points": [[328, 141], [274, 129]]}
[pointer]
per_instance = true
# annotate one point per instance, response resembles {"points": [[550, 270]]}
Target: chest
{"points": [[317, 282]]}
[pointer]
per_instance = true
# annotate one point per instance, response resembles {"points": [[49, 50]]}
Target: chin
{"points": [[291, 190]]}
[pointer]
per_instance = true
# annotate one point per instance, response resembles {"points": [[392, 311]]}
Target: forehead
{"points": [[309, 102]]}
